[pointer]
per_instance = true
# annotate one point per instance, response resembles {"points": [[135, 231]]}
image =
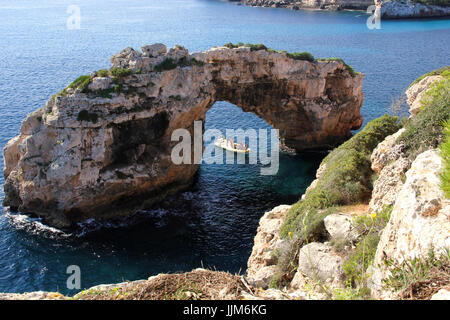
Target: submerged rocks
{"points": [[102, 147]]}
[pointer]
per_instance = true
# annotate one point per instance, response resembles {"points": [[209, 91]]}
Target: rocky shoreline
{"points": [[389, 9], [405, 220], [84, 155]]}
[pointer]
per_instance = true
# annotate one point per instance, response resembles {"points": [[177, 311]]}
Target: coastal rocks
{"points": [[261, 264], [340, 226], [311, 4], [443, 294], [397, 9], [420, 220], [102, 147], [417, 91], [389, 163], [36, 295], [318, 261]]}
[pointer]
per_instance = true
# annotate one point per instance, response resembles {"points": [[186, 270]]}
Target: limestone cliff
{"points": [[407, 219], [311, 4], [102, 146], [398, 9], [390, 9]]}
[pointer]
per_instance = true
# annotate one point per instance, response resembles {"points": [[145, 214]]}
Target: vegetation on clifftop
{"points": [[426, 130], [293, 55], [444, 71], [445, 153], [346, 179], [347, 176]]}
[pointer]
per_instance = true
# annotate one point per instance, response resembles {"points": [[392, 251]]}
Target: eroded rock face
{"points": [[340, 226], [105, 150], [318, 261], [262, 263], [417, 91], [312, 4], [389, 162], [420, 220], [397, 9]]}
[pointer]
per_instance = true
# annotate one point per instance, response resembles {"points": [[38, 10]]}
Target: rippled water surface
{"points": [[214, 223]]}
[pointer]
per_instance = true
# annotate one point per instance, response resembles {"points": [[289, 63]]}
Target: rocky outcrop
{"points": [[389, 163], [398, 9], [416, 92], [311, 4], [443, 294], [420, 220], [262, 262], [389, 9], [36, 295], [340, 226], [318, 261], [102, 147]]}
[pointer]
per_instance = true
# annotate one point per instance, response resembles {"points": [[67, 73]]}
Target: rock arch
{"points": [[101, 147]]}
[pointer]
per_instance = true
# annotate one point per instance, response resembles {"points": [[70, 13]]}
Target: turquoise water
{"points": [[214, 223]]}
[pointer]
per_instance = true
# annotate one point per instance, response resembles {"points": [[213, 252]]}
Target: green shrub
{"points": [[185, 62], [427, 274], [347, 177], [426, 130], [445, 153], [120, 72], [167, 64], [80, 83], [177, 97], [102, 73], [301, 56], [369, 228], [349, 68], [442, 71], [359, 260], [346, 180], [253, 47]]}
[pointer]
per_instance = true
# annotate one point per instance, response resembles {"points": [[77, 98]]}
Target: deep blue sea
{"points": [[213, 223]]}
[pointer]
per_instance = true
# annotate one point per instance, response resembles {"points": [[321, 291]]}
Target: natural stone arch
{"points": [[102, 146]]}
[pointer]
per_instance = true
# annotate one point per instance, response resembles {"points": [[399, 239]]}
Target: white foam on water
{"points": [[34, 225]]}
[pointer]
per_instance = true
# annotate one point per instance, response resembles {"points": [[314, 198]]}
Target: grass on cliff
{"points": [[444, 71], [169, 64], [293, 55], [194, 285], [255, 47], [445, 153], [426, 130], [347, 179], [362, 256], [349, 67], [421, 277]]}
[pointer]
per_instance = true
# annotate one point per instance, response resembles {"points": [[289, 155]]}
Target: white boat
{"points": [[230, 145]]}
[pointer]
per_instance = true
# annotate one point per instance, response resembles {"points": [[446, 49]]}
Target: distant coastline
{"points": [[390, 9]]}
